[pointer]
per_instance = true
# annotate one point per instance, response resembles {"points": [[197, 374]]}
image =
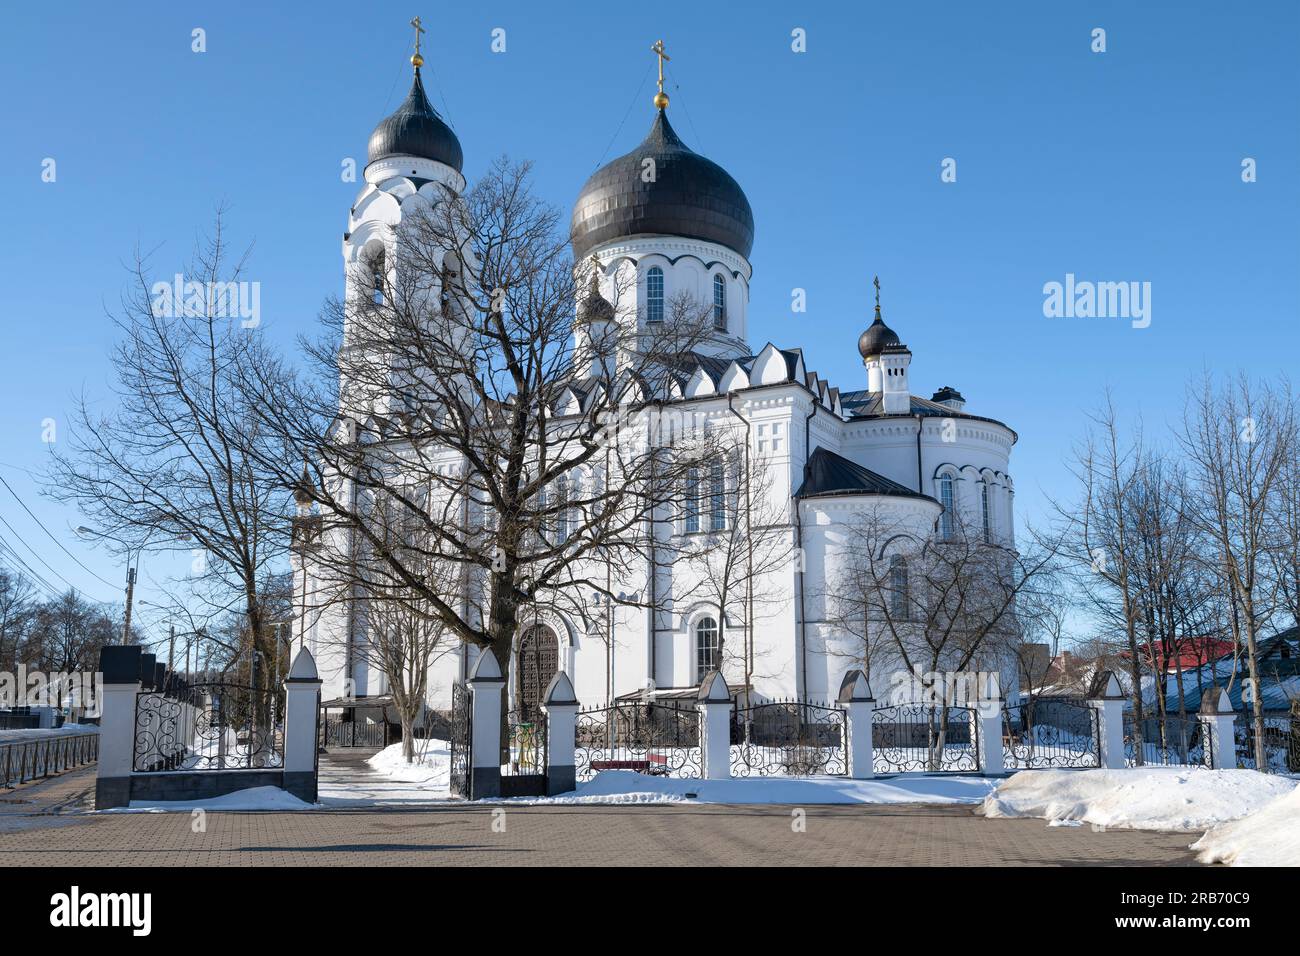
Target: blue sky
{"points": [[1115, 166]]}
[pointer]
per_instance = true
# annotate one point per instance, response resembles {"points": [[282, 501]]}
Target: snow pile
{"points": [[1140, 798], [1268, 837], [627, 786], [254, 798], [432, 766]]}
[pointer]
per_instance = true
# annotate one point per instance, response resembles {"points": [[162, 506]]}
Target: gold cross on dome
{"points": [[658, 50], [415, 22], [876, 283]]}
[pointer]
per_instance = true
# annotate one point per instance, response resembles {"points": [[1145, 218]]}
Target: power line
{"points": [[26, 570], [34, 552], [51, 535]]}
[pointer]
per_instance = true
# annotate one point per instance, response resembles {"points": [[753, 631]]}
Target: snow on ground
{"points": [[254, 798], [626, 786], [1140, 798], [387, 780], [432, 763], [1268, 837]]}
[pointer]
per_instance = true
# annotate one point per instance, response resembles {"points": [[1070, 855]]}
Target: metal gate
{"points": [[523, 756], [459, 740], [336, 732], [930, 738], [661, 738], [1057, 732], [787, 738]]}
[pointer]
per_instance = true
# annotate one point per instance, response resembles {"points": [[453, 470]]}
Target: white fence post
{"points": [[856, 702], [1109, 704], [561, 709], [485, 688], [986, 722], [301, 714], [119, 668], [1217, 730], [714, 702]]}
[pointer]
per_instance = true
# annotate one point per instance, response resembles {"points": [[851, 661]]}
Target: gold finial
{"points": [[876, 283], [661, 98], [417, 61]]}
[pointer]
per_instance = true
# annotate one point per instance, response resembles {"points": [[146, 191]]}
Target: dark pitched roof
{"points": [[830, 474], [867, 404]]}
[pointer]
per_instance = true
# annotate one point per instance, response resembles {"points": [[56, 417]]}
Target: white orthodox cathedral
{"points": [[834, 452]]}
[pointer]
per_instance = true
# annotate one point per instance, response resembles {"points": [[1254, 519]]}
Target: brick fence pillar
{"points": [[1108, 701], [485, 688], [301, 713], [1217, 719], [714, 702], [858, 706], [561, 709], [119, 668]]}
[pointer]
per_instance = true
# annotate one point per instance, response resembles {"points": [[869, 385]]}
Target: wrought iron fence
{"points": [[659, 737], [459, 742], [1051, 732], [787, 738], [1172, 742], [1281, 741], [931, 738], [212, 726], [23, 760], [336, 732]]}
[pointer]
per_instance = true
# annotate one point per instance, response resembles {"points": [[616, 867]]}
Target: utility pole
{"points": [[130, 592], [171, 647]]}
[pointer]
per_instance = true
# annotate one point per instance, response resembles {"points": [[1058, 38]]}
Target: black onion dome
{"points": [[595, 307], [416, 129], [691, 196], [877, 338]]}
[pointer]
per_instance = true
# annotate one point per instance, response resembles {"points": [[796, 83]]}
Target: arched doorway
{"points": [[538, 658]]}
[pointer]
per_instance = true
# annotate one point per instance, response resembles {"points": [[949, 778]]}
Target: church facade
{"points": [[831, 453]]}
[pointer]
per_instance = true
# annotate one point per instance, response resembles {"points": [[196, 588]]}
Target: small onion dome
{"points": [[595, 307], [688, 196], [416, 129], [878, 338], [947, 394], [302, 488]]}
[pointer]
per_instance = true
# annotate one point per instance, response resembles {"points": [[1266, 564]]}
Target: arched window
{"points": [[986, 512], [717, 495], [947, 499], [708, 651], [564, 519], [719, 303], [375, 264], [654, 295], [900, 598], [692, 502]]}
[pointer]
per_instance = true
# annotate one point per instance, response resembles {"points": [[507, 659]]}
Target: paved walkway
{"points": [[51, 828], [347, 781]]}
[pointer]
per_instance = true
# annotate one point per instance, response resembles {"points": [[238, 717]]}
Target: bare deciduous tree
{"points": [[458, 374], [180, 463], [1237, 438]]}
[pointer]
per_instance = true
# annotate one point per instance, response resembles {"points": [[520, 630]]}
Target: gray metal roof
{"points": [[689, 195], [1279, 665], [416, 129]]}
